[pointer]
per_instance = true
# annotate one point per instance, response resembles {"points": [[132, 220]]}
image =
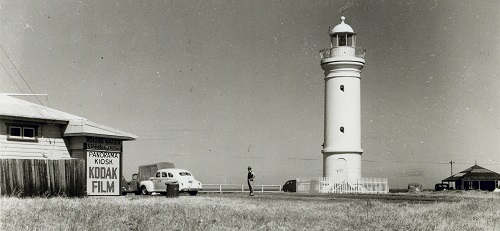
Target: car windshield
{"points": [[184, 173]]}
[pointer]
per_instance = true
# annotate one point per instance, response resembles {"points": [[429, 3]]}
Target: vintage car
{"points": [[290, 186], [414, 187], [164, 177], [442, 187]]}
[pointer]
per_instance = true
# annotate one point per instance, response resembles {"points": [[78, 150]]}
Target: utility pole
{"points": [[451, 163]]}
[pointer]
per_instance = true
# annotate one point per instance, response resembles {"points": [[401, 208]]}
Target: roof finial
{"points": [[343, 18]]}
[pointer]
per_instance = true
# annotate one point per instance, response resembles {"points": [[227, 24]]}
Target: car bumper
{"points": [[190, 189]]}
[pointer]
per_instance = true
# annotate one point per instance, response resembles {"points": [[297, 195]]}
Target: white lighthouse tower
{"points": [[342, 63]]}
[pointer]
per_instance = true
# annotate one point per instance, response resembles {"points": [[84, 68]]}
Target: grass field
{"points": [[269, 211]]}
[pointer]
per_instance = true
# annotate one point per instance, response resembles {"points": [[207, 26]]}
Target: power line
{"points": [[419, 162], [12, 78], [297, 158], [411, 162], [19, 74]]}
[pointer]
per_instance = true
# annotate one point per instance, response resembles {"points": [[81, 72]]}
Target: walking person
{"points": [[250, 178]]}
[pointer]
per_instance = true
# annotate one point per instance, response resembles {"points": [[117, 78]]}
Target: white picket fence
{"points": [[311, 185], [325, 185], [221, 188]]}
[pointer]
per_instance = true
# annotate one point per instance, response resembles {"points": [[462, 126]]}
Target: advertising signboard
{"points": [[103, 167]]}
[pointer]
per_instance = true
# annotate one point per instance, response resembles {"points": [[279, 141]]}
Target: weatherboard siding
{"points": [[50, 144]]}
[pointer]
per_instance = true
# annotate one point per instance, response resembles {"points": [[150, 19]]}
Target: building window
{"points": [[27, 133], [16, 132]]}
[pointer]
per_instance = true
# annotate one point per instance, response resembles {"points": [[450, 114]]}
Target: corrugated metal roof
{"points": [[475, 173], [77, 126], [14, 107]]}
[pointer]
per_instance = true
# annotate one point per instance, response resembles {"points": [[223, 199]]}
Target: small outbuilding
{"points": [[30, 131], [474, 178]]}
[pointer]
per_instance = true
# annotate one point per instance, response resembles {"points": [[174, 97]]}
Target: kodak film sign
{"points": [[103, 169]]}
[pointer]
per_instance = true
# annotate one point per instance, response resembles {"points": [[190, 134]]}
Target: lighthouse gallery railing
{"points": [[342, 51]]}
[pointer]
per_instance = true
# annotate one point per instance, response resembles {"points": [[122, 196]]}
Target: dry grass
{"points": [[473, 211]]}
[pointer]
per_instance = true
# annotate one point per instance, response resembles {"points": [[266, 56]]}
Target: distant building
{"points": [[474, 178], [33, 131]]}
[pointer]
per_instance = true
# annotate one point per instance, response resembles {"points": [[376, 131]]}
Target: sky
{"points": [[216, 86]]}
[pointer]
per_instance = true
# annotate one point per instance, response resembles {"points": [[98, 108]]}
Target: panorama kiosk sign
{"points": [[103, 158]]}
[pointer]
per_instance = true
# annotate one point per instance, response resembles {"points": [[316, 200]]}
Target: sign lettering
{"points": [[103, 170]]}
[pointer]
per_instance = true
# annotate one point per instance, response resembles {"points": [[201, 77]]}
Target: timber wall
{"points": [[50, 144], [42, 177]]}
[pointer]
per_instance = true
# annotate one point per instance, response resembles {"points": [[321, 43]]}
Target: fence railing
{"points": [[222, 188], [42, 177]]}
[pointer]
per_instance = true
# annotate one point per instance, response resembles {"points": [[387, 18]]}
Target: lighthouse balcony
{"points": [[342, 52]]}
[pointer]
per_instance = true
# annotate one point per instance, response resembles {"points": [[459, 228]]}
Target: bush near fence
{"points": [[42, 177]]}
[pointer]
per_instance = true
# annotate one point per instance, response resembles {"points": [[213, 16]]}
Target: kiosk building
{"points": [[33, 131]]}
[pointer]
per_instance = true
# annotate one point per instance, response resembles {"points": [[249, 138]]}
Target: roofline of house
{"points": [[33, 120], [124, 138]]}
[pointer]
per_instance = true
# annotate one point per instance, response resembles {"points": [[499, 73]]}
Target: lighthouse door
{"points": [[341, 170]]}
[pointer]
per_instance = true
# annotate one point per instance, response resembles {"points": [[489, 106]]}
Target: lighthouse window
{"points": [[342, 40], [342, 87], [349, 40]]}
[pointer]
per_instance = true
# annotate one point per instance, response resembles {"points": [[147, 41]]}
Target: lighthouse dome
{"points": [[342, 28]]}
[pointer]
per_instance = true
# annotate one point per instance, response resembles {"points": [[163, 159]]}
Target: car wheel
{"points": [[144, 190], [193, 193]]}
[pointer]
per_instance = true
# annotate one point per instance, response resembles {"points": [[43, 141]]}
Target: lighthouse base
{"points": [[342, 167]]}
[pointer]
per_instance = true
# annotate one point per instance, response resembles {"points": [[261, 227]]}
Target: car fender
{"points": [[148, 184]]}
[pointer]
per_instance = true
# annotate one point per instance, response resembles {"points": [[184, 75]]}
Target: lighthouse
{"points": [[342, 63]]}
